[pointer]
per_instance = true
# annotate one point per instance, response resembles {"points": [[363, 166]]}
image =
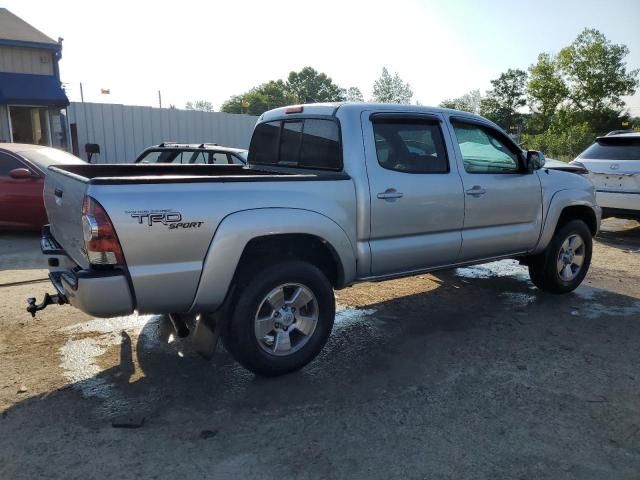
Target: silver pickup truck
{"points": [[333, 194]]}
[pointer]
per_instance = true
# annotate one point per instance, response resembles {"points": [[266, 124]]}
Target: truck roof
{"points": [[333, 107]]}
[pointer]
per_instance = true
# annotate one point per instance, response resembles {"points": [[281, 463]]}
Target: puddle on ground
{"points": [[595, 310], [151, 333], [513, 299], [585, 292], [502, 268], [90, 340], [346, 316], [591, 309]]}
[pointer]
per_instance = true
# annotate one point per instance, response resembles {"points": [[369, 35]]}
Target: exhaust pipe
{"points": [[179, 325]]}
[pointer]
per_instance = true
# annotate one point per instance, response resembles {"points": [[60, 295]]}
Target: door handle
{"points": [[58, 192], [476, 191], [390, 194]]}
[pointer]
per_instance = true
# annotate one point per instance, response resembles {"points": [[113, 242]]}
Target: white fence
{"points": [[123, 131]]}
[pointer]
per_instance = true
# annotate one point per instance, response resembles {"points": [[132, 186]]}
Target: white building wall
{"points": [[123, 131], [26, 60]]}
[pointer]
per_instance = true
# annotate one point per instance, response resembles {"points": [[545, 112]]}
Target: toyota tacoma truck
{"points": [[332, 194]]}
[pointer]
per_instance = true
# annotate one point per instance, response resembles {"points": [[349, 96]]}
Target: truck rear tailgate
{"points": [[63, 197]]}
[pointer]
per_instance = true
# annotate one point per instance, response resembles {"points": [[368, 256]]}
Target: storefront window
{"points": [[29, 125]]}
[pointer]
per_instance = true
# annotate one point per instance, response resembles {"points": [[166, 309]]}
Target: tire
{"points": [[261, 314], [548, 270]]}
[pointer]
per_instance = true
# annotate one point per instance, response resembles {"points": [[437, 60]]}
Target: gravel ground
{"points": [[472, 373]]}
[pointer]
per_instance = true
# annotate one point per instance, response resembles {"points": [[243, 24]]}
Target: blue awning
{"points": [[27, 89]]}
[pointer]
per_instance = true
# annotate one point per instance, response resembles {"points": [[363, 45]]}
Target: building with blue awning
{"points": [[32, 100]]}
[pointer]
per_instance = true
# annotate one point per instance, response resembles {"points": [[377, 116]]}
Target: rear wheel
{"points": [[565, 262], [281, 319]]}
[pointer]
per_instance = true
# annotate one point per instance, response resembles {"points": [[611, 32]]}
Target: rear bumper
{"points": [[614, 201], [100, 293]]}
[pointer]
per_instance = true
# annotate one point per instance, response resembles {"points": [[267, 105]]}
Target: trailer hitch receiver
{"points": [[32, 307]]}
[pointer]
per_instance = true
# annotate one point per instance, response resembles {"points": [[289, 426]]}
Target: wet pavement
{"points": [[472, 373]]}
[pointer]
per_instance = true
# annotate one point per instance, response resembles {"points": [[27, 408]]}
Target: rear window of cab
{"points": [[312, 143]]}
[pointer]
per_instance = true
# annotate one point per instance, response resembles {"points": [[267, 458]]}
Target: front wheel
{"points": [[282, 318], [562, 266]]}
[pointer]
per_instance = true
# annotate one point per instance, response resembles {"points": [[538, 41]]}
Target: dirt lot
{"points": [[467, 374]]}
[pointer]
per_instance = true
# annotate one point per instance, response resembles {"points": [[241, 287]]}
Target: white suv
{"points": [[614, 167]]}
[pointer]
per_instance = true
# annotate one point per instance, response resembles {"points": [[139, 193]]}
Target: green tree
{"points": [[546, 89], [259, 99], [310, 86], [391, 89], [565, 138], [201, 105], [596, 72], [354, 95], [502, 102], [469, 102]]}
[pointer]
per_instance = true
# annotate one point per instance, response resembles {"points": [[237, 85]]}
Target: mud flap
{"points": [[206, 335]]}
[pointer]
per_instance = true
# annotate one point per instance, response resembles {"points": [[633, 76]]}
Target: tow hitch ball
{"points": [[32, 307]]}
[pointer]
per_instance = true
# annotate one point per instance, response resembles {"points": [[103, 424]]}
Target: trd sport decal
{"points": [[169, 218]]}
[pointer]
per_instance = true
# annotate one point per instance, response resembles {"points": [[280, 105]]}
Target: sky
{"points": [[210, 50]]}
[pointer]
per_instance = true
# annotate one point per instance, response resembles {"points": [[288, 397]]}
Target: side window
{"points": [[219, 158], [7, 164], [180, 157], [198, 158], [483, 151], [410, 145]]}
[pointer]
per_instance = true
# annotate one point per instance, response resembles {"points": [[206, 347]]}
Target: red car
{"points": [[22, 171]]}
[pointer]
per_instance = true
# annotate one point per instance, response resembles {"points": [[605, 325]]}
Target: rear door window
{"points": [[410, 145], [198, 158]]}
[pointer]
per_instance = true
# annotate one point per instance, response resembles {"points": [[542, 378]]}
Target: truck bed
{"points": [[170, 173]]}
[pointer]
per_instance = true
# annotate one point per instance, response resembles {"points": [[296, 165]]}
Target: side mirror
{"points": [[22, 174], [535, 160]]}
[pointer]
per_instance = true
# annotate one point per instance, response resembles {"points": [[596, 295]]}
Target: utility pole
{"points": [[160, 98], [81, 93]]}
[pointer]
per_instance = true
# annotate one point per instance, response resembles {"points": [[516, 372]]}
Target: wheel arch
{"points": [[567, 205], [578, 212], [302, 246], [247, 237]]}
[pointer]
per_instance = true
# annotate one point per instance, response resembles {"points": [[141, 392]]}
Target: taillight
{"points": [[100, 239]]}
